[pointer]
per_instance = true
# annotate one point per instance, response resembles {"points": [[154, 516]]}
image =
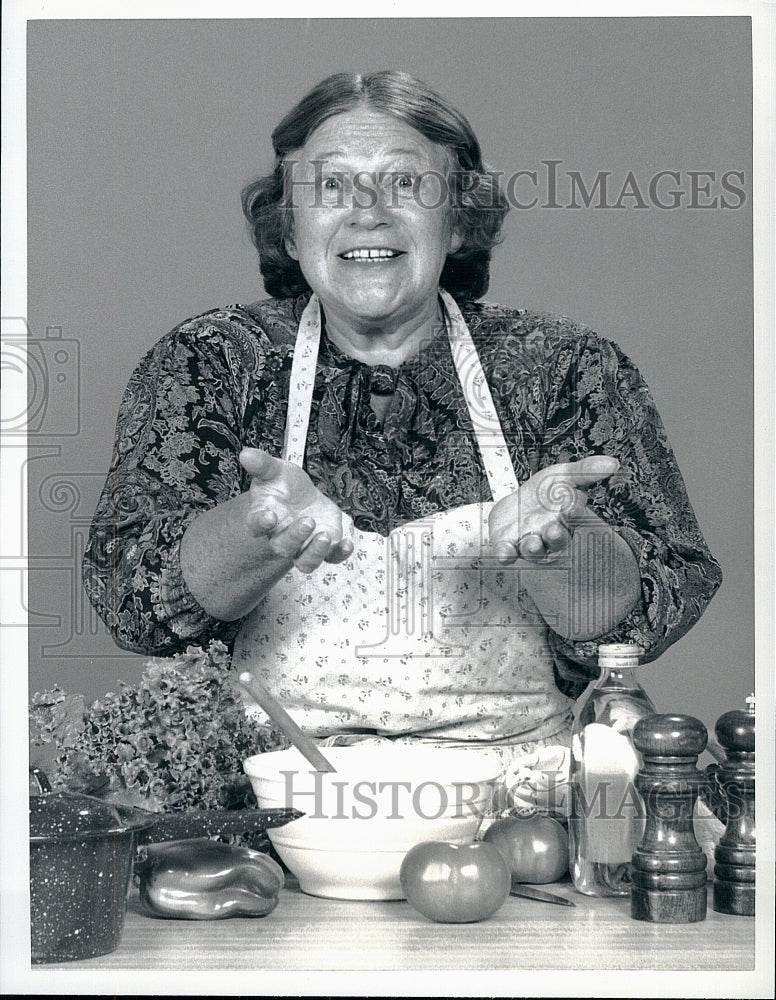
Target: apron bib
{"points": [[420, 632]]}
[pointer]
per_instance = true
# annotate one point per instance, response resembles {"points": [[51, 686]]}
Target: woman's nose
{"points": [[370, 206]]}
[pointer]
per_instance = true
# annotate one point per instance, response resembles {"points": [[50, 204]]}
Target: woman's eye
{"points": [[331, 183], [404, 180]]}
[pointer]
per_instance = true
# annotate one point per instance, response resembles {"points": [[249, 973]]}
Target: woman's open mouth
{"points": [[371, 255]]}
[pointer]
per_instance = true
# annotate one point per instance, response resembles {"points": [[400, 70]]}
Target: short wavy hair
{"points": [[477, 202]]}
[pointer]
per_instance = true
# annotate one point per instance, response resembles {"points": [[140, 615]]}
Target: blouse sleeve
{"points": [[175, 454], [598, 403]]}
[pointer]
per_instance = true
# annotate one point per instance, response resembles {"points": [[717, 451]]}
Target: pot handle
{"points": [[41, 780], [211, 823]]}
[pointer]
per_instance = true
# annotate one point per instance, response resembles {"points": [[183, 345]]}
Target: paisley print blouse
{"points": [[219, 382]]}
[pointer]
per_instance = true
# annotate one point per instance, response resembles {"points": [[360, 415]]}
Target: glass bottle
{"points": [[607, 813]]}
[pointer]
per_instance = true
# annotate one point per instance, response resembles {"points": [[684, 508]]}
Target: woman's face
{"points": [[371, 220]]}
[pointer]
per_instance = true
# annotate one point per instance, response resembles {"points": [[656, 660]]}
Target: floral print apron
{"points": [[420, 634]]}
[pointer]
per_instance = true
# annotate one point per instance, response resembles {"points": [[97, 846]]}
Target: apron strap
{"points": [[487, 427], [476, 391], [300, 389]]}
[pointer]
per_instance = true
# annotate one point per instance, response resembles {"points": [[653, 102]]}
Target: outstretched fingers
{"points": [[341, 551], [580, 474], [261, 465]]}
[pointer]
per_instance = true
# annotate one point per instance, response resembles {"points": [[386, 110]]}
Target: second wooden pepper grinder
{"points": [[734, 855], [668, 870]]}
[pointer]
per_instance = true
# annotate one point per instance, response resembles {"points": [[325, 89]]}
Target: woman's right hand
{"points": [[299, 522]]}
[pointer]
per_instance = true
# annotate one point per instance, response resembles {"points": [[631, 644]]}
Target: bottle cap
{"points": [[619, 654]]}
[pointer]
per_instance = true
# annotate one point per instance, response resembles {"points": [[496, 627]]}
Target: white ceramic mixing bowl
{"points": [[360, 821]]}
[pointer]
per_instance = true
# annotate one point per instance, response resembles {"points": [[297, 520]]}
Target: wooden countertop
{"points": [[308, 933]]}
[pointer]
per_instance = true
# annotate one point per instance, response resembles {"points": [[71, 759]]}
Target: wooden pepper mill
{"points": [[669, 866], [734, 855]]}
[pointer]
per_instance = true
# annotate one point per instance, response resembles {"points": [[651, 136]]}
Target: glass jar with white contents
{"points": [[607, 814]]}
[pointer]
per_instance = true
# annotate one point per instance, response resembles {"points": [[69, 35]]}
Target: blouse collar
{"points": [[344, 385]]}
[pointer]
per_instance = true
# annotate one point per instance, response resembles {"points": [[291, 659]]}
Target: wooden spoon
{"points": [[307, 747]]}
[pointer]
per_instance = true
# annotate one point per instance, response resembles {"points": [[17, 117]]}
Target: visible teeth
{"points": [[368, 254]]}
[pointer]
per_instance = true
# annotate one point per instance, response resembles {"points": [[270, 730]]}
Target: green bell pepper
{"points": [[207, 880]]}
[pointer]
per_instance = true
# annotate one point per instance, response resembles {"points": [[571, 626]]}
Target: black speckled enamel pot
{"points": [[82, 852]]}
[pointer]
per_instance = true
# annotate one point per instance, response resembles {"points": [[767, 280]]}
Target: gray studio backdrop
{"points": [[142, 133]]}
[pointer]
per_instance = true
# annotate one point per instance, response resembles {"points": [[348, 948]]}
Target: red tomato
{"points": [[536, 848], [455, 884]]}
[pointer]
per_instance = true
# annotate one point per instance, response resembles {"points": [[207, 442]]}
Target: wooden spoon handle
{"points": [[307, 747]]}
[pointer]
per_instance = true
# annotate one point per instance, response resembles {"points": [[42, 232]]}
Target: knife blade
{"points": [[530, 892]]}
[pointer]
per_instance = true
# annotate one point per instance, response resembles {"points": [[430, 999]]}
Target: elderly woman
{"points": [[413, 514]]}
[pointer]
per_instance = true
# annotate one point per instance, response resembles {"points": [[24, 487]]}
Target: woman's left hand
{"points": [[538, 521]]}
